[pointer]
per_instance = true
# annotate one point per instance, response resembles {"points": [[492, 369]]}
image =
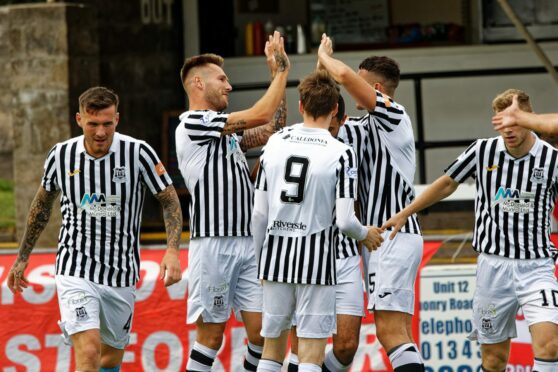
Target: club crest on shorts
{"points": [[81, 313], [537, 175], [487, 319], [119, 175], [218, 301]]}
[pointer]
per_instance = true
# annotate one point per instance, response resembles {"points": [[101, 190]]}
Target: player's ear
{"points": [[300, 108], [78, 119], [343, 119], [334, 112]]}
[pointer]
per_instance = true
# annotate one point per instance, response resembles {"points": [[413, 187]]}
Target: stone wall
{"points": [[49, 47]]}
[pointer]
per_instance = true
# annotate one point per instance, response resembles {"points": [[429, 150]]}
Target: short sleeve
{"points": [[388, 113], [347, 176], [261, 182], [464, 166], [204, 126], [50, 179], [153, 172]]}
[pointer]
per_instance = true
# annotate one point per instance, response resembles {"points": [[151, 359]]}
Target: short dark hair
{"points": [[96, 99], [385, 67], [340, 108], [505, 99], [201, 60], [319, 94]]}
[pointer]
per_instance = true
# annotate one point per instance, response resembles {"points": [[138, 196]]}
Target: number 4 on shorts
{"points": [[128, 323]]}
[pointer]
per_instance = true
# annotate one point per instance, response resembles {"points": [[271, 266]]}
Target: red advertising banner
{"points": [[30, 337]]}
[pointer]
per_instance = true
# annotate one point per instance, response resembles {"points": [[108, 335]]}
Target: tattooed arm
{"points": [[258, 136], [172, 214], [39, 214], [263, 110]]}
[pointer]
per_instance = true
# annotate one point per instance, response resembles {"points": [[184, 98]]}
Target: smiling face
{"points": [[216, 87], [98, 129]]}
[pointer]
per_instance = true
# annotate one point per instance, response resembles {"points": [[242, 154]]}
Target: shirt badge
{"points": [[160, 168], [537, 175], [119, 175]]}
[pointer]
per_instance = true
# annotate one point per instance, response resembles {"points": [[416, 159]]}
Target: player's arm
{"points": [[37, 219], [259, 221], [358, 88], [172, 215], [349, 225], [513, 115], [438, 190], [263, 110]]}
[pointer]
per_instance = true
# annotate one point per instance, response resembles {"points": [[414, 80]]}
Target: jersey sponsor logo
{"points": [[160, 169], [537, 175], [514, 201], [307, 140], [100, 205], [492, 168], [78, 299], [119, 175], [74, 172], [287, 226], [351, 172]]}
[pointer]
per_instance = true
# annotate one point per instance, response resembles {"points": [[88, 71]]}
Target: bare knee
{"points": [[494, 360], [345, 350], [211, 340], [88, 357]]}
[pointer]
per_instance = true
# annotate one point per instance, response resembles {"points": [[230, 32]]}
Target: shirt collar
{"points": [[501, 146]]}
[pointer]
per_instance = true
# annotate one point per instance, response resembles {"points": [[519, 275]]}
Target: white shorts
{"points": [[85, 305], [222, 275], [349, 291], [312, 304], [505, 284], [392, 270]]}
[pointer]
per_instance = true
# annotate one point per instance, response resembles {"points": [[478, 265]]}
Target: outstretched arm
{"points": [[513, 115], [172, 214], [39, 215], [263, 110], [438, 190], [362, 92]]}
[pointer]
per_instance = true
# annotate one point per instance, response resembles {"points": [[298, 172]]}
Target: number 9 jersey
{"points": [[303, 171]]}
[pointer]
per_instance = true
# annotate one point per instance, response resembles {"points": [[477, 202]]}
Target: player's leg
{"points": [[116, 315], [349, 309], [211, 262], [495, 307], [315, 318], [495, 356], [80, 324], [391, 294], [247, 302], [293, 356], [538, 293], [278, 309], [545, 346]]}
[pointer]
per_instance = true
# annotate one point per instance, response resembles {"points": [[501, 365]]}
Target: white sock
{"points": [[201, 358], [266, 365], [406, 357], [293, 363], [333, 364], [309, 367], [545, 365], [252, 357]]}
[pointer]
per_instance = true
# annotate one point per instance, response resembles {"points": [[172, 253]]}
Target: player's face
{"points": [[335, 125], [98, 130], [514, 137], [217, 87]]}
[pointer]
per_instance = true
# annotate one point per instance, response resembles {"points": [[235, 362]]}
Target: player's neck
{"points": [[321, 122]]}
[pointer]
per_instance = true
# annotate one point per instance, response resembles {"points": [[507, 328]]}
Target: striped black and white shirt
{"points": [[515, 197], [384, 143], [216, 174], [101, 202], [303, 171]]}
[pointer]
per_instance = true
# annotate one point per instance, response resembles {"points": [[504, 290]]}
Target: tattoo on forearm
{"points": [[231, 128], [172, 214], [39, 214], [281, 61], [256, 137]]}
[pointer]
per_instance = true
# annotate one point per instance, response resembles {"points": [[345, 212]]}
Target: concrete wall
{"points": [[46, 48]]}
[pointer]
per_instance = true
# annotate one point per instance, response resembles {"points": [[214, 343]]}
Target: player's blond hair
{"points": [[505, 99]]}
